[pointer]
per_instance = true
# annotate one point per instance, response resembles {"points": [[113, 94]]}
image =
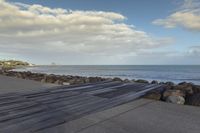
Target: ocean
{"points": [[163, 73]]}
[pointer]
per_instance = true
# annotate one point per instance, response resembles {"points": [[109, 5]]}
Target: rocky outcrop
{"points": [[187, 88], [168, 93], [154, 82], [193, 99], [182, 93], [175, 99], [196, 89], [10, 64], [155, 95], [142, 81], [117, 79], [55, 79], [127, 81]]}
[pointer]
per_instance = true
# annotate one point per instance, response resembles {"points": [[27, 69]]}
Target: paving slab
{"points": [[12, 84], [154, 117], [140, 116]]}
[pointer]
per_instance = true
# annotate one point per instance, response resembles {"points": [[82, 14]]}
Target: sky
{"points": [[101, 32]]}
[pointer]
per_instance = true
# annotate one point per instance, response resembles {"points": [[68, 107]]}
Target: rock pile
{"points": [[62, 79], [51, 78], [183, 93]]}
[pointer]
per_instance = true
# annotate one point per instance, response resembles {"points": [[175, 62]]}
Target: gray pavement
{"points": [[140, 116], [12, 84]]}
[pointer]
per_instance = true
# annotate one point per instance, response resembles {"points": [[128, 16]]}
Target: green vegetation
{"points": [[10, 64]]}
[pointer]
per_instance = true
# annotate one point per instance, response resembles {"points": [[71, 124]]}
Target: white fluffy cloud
{"points": [[188, 16], [27, 30]]}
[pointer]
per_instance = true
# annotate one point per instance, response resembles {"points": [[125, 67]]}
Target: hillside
{"points": [[10, 64]]}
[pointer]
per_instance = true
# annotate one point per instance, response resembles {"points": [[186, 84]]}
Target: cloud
{"points": [[194, 51], [189, 56], [187, 16], [28, 30]]}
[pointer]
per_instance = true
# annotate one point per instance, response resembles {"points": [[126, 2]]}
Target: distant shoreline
{"points": [[176, 74]]}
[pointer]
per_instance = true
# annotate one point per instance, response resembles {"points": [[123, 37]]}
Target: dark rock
{"points": [[155, 95], [170, 83], [86, 80], [19, 75], [108, 79], [182, 83], [117, 79], [127, 81], [50, 79], [141, 81], [154, 82], [28, 73], [186, 87], [193, 99], [161, 83], [94, 79], [168, 87], [196, 88]]}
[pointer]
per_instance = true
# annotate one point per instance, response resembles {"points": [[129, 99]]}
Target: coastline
{"points": [[182, 93], [173, 73]]}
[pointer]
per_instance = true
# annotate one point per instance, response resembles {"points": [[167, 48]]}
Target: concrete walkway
{"points": [[11, 84], [140, 116]]}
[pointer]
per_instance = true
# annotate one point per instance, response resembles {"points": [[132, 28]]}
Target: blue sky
{"points": [[150, 31]]}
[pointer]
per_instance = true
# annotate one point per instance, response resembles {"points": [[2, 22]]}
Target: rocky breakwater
{"points": [[51, 78], [182, 93]]}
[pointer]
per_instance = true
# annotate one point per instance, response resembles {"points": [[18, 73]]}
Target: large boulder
{"points": [[43, 80], [86, 80], [185, 87], [155, 95], [168, 87], [71, 81], [154, 82], [117, 79], [141, 81], [59, 82], [127, 81], [19, 75], [79, 81], [170, 83], [50, 78], [193, 99], [94, 79], [196, 88], [168, 93], [175, 99]]}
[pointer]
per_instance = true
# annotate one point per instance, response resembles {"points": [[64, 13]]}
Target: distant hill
{"points": [[10, 64]]}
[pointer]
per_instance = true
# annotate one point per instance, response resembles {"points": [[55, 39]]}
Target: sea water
{"points": [[174, 73]]}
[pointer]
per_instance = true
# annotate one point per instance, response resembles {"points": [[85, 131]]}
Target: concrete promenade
{"points": [[139, 116]]}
